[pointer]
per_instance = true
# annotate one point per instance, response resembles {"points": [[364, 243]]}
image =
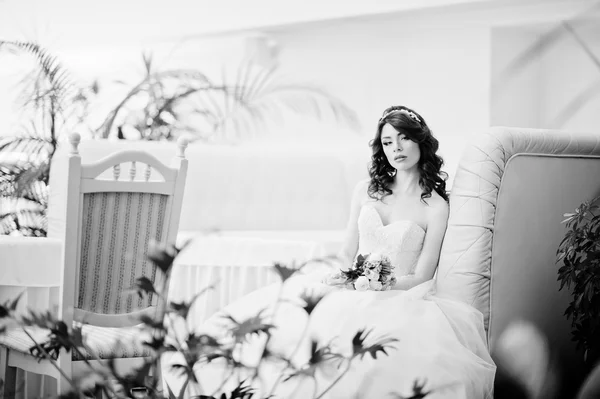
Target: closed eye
{"points": [[387, 143]]}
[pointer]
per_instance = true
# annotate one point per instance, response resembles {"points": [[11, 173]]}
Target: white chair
{"points": [[105, 220]]}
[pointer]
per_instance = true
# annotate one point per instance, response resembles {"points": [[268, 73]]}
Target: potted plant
{"points": [[162, 105], [579, 251], [50, 103]]}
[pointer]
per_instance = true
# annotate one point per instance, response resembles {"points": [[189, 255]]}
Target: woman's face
{"points": [[401, 152]]}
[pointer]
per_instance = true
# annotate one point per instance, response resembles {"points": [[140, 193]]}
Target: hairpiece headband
{"points": [[411, 114]]}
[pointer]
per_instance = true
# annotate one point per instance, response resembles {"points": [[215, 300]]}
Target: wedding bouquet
{"points": [[369, 272]]}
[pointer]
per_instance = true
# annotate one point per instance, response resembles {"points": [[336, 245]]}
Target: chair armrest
{"points": [[30, 261]]}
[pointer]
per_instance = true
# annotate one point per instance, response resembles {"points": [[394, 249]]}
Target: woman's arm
{"points": [[350, 245], [437, 221]]}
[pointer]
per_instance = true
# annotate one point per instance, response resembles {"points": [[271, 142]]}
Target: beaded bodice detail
{"points": [[401, 241]]}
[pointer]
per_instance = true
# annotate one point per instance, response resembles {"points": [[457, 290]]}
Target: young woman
{"points": [[401, 213]]}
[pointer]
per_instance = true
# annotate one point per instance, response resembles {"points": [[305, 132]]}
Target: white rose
{"points": [[375, 285], [361, 284], [375, 257], [372, 275]]}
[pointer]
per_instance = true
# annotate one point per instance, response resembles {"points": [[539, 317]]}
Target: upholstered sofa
{"points": [[510, 192]]}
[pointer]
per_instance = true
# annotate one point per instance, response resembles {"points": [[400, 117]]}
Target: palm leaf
{"points": [[255, 96], [24, 177], [360, 349], [30, 223], [283, 271], [34, 147], [250, 326], [50, 83], [153, 85], [7, 222]]}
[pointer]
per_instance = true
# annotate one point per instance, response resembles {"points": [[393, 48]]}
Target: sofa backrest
{"points": [[510, 193], [272, 186]]}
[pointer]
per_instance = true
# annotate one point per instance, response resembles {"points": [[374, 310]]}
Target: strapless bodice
{"points": [[401, 241]]}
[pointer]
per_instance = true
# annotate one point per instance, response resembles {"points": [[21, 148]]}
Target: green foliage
{"points": [[579, 252]]}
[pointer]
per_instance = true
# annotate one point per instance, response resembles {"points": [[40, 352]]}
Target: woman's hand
{"points": [[407, 282]]}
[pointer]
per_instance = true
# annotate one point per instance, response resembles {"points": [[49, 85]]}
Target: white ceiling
{"points": [[82, 23], [139, 20]]}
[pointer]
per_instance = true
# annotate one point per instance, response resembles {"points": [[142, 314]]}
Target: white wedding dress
{"points": [[441, 343]]}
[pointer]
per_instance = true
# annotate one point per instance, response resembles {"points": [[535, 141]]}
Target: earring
{"points": [[392, 172]]}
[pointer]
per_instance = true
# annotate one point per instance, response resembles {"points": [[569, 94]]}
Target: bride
{"points": [[436, 344]]}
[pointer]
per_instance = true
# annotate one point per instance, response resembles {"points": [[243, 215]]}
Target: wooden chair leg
{"points": [[8, 375], [159, 377], [62, 386]]}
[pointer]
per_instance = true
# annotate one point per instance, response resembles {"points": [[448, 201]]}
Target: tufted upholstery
{"points": [[510, 192]]}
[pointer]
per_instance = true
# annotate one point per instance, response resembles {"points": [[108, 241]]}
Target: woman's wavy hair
{"points": [[413, 126]]}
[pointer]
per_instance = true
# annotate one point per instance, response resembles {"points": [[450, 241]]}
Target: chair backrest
{"points": [[510, 193], [107, 213]]}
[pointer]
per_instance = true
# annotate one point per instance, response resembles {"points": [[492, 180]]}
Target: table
{"points": [[30, 267]]}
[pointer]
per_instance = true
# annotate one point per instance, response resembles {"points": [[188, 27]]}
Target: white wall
{"points": [[439, 67]]}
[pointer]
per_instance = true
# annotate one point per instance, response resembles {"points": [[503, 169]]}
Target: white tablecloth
{"points": [[237, 265], [31, 267]]}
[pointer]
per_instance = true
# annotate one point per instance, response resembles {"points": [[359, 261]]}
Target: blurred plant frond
{"points": [[258, 95], [24, 177], [51, 103], [576, 103], [187, 101], [27, 218], [550, 38], [547, 41], [242, 377], [160, 93], [47, 87]]}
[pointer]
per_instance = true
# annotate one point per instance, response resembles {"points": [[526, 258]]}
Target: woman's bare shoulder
{"points": [[437, 206], [361, 190]]}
